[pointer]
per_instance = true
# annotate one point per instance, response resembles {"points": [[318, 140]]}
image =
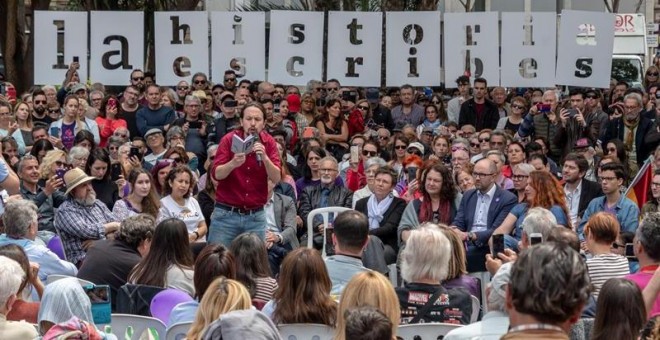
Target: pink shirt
{"points": [[642, 279]]}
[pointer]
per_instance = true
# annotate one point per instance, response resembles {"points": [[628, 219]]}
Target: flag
{"points": [[639, 187]]}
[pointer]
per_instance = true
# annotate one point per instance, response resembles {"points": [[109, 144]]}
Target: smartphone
{"points": [[135, 151], [55, 131], [349, 96], [543, 107], [99, 296], [112, 103], [230, 103], [498, 244], [76, 59], [535, 238], [355, 154], [115, 171], [60, 173], [572, 113], [308, 132], [195, 125], [630, 251], [412, 173]]}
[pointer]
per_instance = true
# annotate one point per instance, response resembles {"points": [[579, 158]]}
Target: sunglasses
{"points": [[519, 107], [591, 96], [216, 93], [39, 102], [182, 88], [414, 152], [121, 136], [138, 78], [400, 147], [230, 79], [652, 74], [54, 111], [200, 81], [369, 153], [175, 160], [363, 108], [617, 246], [61, 164], [484, 140], [475, 145]]}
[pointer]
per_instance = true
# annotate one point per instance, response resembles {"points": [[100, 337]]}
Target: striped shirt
{"points": [[603, 267], [266, 287]]}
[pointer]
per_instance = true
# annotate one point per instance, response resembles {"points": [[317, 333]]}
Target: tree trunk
{"points": [[428, 5]]}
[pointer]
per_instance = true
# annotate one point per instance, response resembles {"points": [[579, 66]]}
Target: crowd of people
{"points": [[210, 189]]}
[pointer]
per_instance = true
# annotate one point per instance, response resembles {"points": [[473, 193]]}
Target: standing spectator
{"points": [[594, 116], [108, 120], [408, 112], [129, 108], [454, 104], [540, 122], [118, 257], [82, 218], [498, 95], [479, 111], [549, 286], [511, 122], [333, 129], [243, 178], [611, 177], [381, 115], [40, 108], [572, 123], [646, 246], [600, 233], [154, 115], [69, 124]]}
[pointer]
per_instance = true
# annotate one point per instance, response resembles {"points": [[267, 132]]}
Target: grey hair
{"points": [[310, 85], [497, 153], [538, 220], [330, 159], [173, 131], [96, 92], [114, 140], [211, 150], [461, 140], [499, 132], [77, 151], [374, 161], [426, 255], [19, 215], [48, 87], [525, 168], [123, 129], [135, 229], [552, 92], [124, 147], [11, 278], [190, 98], [636, 97], [192, 80], [496, 298], [549, 282], [648, 234]]}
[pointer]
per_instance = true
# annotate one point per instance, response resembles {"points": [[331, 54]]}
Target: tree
{"points": [[612, 6], [17, 47]]}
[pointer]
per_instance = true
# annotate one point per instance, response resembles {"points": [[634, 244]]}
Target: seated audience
{"points": [[600, 233], [457, 274], [422, 291], [368, 289], [647, 251], [350, 237], [181, 205], [82, 217], [304, 293], [99, 167], [22, 309], [169, 263], [11, 278], [620, 312], [141, 198], [228, 295], [119, 256], [212, 262], [281, 227], [367, 323], [252, 269], [549, 285]]}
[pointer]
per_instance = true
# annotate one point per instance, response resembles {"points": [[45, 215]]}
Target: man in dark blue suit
{"points": [[481, 211]]}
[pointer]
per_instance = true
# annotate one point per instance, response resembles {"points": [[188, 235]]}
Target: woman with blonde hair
{"points": [[368, 289], [457, 274], [226, 296], [54, 160]]}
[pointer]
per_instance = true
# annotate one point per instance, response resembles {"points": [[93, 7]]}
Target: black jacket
{"points": [[589, 191], [391, 218], [646, 136], [310, 199], [489, 118]]}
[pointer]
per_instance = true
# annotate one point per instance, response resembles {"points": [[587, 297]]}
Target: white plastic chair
{"points": [[120, 323], [54, 277], [394, 279], [302, 331], [476, 307], [425, 331], [325, 212], [178, 331], [485, 279]]}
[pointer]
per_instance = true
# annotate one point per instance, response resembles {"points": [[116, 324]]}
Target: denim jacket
{"points": [[627, 213]]}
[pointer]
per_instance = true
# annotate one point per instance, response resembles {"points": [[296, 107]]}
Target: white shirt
{"points": [[573, 202], [271, 223], [190, 213], [481, 211]]}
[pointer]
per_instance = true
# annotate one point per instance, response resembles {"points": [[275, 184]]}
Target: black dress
{"points": [[106, 192]]}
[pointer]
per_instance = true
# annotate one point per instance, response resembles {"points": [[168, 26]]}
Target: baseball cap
{"points": [[582, 143], [417, 146], [373, 95], [152, 131]]}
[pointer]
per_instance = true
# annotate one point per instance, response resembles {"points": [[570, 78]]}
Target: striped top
{"points": [[603, 267], [266, 287]]}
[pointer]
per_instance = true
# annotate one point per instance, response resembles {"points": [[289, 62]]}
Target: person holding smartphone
{"points": [[194, 127], [107, 120]]}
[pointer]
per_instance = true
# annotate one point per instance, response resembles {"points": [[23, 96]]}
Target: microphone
{"points": [[256, 136]]}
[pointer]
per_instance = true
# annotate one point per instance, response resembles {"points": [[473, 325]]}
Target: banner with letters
{"points": [[294, 47]]}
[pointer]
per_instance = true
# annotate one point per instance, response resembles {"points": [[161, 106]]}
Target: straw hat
{"points": [[74, 178]]}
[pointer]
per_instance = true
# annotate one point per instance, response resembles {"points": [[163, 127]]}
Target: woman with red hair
{"points": [[407, 188], [544, 191]]}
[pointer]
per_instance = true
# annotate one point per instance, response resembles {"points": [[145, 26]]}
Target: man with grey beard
{"points": [[82, 219]]}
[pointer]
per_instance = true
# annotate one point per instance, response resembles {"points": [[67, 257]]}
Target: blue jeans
{"points": [[227, 225], [511, 242]]}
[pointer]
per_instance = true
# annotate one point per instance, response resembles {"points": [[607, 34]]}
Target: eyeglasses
{"points": [[54, 110], [182, 88], [606, 179], [120, 135], [519, 177], [175, 160], [369, 153], [652, 74], [479, 174], [61, 164], [484, 140], [592, 96], [200, 81], [400, 147], [138, 78], [655, 185], [230, 79], [383, 137], [363, 108], [414, 152], [326, 170], [40, 102], [217, 93], [475, 145], [519, 107]]}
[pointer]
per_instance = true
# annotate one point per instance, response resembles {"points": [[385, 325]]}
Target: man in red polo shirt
{"points": [[242, 179]]}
